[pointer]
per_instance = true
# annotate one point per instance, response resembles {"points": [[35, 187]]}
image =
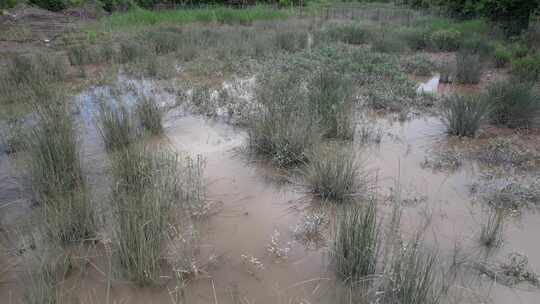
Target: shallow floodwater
{"points": [[252, 202]]}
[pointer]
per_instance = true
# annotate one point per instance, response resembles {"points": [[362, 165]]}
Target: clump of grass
{"points": [[57, 180], [515, 104], [149, 114], [412, 277], [115, 124], [164, 40], [131, 51], [13, 136], [281, 128], [468, 67], [491, 233], [45, 271], [334, 174], [145, 190], [330, 99], [463, 115], [356, 247]]}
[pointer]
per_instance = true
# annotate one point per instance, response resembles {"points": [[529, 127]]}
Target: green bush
{"points": [[446, 40], [468, 68], [416, 38], [514, 104], [477, 44], [527, 68], [52, 5], [501, 56]]}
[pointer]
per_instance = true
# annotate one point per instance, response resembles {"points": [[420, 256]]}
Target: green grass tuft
{"points": [[515, 104], [463, 115]]}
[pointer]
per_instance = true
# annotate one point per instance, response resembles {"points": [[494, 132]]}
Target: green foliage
{"points": [[356, 247], [478, 44], [446, 40], [333, 174], [6, 4], [468, 67], [142, 17], [514, 103], [501, 56], [290, 40], [416, 38], [463, 115], [527, 69], [52, 5]]}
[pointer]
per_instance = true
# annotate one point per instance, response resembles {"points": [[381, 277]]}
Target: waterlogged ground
{"points": [[249, 243]]}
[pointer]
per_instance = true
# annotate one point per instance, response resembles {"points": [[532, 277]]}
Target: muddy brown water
{"points": [[251, 204]]}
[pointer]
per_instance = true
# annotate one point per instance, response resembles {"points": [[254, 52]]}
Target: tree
{"points": [[513, 15]]}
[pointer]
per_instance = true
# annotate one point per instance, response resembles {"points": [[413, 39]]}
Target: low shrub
{"points": [[501, 56], [130, 51], [446, 40], [527, 69], [515, 104], [164, 40], [468, 68], [463, 115], [479, 45], [416, 38]]}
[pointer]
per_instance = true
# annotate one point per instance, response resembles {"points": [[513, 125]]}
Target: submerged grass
{"points": [[144, 192], [463, 115], [356, 248], [491, 233]]}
